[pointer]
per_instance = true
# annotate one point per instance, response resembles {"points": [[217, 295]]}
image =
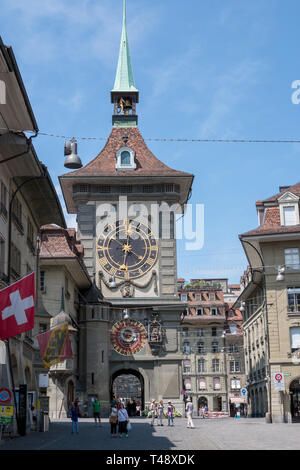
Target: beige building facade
{"points": [[270, 305]]}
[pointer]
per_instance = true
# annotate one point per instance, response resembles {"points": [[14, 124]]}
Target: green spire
{"points": [[124, 77]]}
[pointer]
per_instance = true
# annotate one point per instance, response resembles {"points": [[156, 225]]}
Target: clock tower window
{"points": [[125, 159]]}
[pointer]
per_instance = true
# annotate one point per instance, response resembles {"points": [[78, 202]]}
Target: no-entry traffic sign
{"points": [[5, 395]]}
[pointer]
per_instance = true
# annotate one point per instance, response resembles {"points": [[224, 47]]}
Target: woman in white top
{"points": [[123, 420]]}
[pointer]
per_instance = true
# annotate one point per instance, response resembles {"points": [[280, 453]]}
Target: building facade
{"points": [[212, 344], [27, 201], [126, 201], [269, 301]]}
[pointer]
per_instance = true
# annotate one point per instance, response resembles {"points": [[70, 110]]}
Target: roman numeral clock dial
{"points": [[127, 249]]}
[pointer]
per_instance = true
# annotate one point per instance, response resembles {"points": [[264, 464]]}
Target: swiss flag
{"points": [[17, 307]]}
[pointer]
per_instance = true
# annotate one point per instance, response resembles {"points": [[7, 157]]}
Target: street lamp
{"points": [[72, 160], [281, 272]]}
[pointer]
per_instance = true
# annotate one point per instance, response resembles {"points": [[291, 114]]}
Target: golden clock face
{"points": [[127, 249]]}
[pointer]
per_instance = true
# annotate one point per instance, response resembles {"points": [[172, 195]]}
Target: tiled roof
{"points": [[57, 243], [295, 189], [147, 164]]}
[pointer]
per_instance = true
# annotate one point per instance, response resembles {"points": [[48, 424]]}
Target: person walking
{"points": [[123, 420], [189, 413], [113, 419], [153, 410], [96, 410], [170, 412], [75, 414], [160, 412]]}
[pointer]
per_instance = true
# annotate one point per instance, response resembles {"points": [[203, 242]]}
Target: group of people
{"points": [[119, 418], [157, 411]]}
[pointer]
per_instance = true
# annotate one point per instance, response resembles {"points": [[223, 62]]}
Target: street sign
{"points": [[5, 395], [243, 392], [278, 382], [6, 414]]}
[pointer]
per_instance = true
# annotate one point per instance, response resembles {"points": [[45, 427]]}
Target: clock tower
{"points": [[126, 201]]}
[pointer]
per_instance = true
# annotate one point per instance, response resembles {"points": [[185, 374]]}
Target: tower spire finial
{"points": [[124, 80], [124, 94]]}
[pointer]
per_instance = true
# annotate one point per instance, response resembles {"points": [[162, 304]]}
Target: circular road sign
{"points": [[278, 377], [244, 391], [5, 395]]}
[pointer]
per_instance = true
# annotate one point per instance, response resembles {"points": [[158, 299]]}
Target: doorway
{"points": [[128, 384], [295, 400]]}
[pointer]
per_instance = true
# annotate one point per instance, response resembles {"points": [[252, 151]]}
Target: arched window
{"points": [[202, 383], [217, 383], [125, 158]]}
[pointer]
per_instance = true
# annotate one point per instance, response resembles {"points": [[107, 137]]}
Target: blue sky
{"points": [[205, 69]]}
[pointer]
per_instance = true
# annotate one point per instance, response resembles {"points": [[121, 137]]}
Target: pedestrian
{"points": [[160, 412], [189, 413], [123, 420], [96, 410], [153, 410], [113, 419], [34, 418], [170, 411], [75, 414]]}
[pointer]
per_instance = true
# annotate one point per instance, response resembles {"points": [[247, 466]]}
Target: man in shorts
{"points": [[96, 410]]}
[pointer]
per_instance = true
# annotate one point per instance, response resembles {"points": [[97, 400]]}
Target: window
{"points": [[216, 365], [184, 297], [234, 366], [235, 384], [15, 261], [42, 281], [214, 331], [293, 299], [2, 255], [292, 258], [233, 348], [187, 384], [3, 200], [185, 332], [199, 311], [213, 311], [186, 348], [289, 215], [295, 338], [200, 348], [216, 383], [202, 383], [215, 347], [200, 332], [17, 214], [42, 327], [201, 365], [125, 158], [198, 297], [232, 328], [186, 366], [30, 234], [212, 296]]}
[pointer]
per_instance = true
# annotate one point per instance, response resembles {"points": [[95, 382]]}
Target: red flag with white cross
{"points": [[17, 307]]}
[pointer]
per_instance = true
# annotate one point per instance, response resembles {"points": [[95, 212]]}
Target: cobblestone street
{"points": [[225, 434]]}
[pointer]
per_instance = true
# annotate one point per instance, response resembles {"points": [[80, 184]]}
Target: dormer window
{"points": [[289, 209], [125, 159]]}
